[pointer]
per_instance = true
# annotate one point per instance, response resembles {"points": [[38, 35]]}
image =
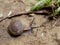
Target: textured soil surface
{"points": [[47, 34]]}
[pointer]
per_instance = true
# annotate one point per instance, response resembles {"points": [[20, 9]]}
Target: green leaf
{"points": [[40, 4], [57, 11], [56, 1]]}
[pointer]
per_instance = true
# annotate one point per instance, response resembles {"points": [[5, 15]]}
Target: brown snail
{"points": [[15, 28]]}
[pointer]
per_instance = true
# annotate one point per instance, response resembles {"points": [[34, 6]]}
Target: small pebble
{"points": [[1, 15]]}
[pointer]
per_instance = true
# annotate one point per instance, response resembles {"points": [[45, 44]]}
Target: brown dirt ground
{"points": [[44, 35]]}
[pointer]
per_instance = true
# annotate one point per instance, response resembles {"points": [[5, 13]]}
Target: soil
{"points": [[48, 32]]}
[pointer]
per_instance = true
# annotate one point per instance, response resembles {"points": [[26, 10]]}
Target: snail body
{"points": [[16, 28]]}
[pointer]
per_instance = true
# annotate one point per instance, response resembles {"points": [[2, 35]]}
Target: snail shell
{"points": [[16, 28]]}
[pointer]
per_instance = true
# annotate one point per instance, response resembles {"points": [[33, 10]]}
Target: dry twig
{"points": [[25, 13]]}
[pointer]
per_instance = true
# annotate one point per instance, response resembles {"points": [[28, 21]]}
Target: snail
{"points": [[15, 28]]}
